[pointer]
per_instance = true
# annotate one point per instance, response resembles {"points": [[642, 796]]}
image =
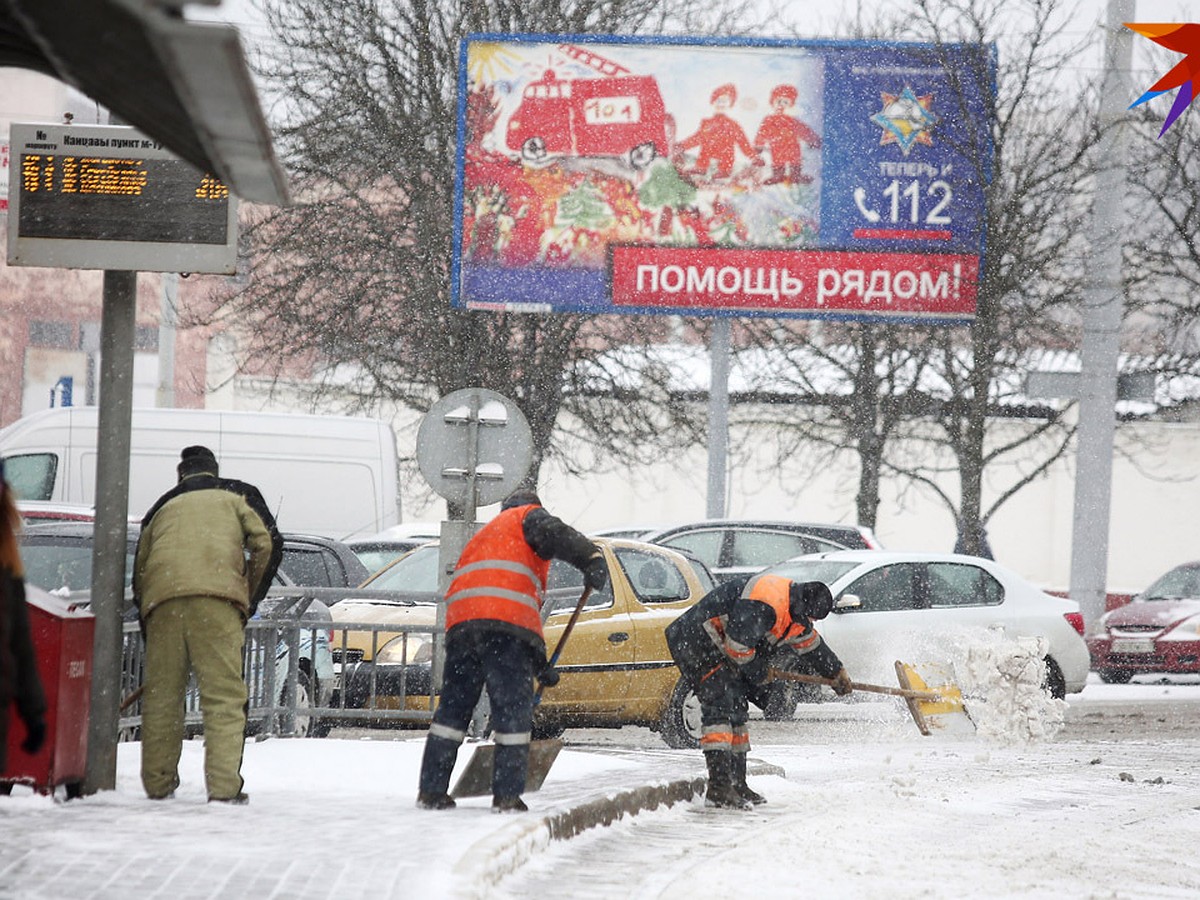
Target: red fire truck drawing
{"points": [[620, 114]]}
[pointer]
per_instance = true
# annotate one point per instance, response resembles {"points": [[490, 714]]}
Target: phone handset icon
{"points": [[860, 200]]}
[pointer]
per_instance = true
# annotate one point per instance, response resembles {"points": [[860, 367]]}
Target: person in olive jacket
{"points": [[19, 680], [207, 553], [725, 646]]}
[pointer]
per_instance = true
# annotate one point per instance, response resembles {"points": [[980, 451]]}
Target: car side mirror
{"points": [[847, 601]]}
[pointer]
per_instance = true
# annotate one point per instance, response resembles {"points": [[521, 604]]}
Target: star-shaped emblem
{"points": [[906, 119]]}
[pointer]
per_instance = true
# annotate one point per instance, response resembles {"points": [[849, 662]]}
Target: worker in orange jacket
{"points": [[723, 646], [494, 638]]}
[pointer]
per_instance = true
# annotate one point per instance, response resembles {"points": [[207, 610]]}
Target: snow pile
{"points": [[1001, 680]]}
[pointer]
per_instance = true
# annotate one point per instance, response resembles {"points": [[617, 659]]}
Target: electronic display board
{"points": [[817, 179], [108, 197]]}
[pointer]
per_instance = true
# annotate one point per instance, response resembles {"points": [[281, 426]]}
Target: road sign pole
{"points": [[474, 447]]}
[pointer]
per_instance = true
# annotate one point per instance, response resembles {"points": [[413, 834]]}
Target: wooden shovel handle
{"points": [[780, 675], [133, 698], [562, 641]]}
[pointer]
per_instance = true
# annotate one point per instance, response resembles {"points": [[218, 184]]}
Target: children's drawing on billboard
{"points": [[581, 155], [571, 149]]}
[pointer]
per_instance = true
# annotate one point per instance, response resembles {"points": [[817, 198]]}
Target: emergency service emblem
{"points": [[906, 119]]}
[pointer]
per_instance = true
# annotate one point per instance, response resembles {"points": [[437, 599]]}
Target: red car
{"points": [[1159, 631]]}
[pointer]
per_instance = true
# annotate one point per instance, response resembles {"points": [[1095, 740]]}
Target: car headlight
{"points": [[1187, 630], [407, 649]]}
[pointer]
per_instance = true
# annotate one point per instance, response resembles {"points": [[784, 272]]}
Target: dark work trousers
{"points": [[722, 697], [505, 664]]}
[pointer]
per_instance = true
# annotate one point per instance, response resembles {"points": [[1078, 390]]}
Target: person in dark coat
{"points": [[494, 638], [19, 680], [724, 647]]}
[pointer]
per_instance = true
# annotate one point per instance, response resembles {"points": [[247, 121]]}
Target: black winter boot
{"points": [[739, 781], [721, 792], [437, 764], [508, 805]]}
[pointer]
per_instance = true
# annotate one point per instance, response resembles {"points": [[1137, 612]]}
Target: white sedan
{"points": [[923, 607]]}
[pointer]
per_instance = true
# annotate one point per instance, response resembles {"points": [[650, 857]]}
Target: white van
{"points": [[329, 475]]}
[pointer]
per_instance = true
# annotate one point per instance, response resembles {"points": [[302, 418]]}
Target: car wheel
{"points": [[642, 155], [1115, 676], [534, 149], [304, 719], [779, 705], [1055, 684], [545, 730], [680, 725]]}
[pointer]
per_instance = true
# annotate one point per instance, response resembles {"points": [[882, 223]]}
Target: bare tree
{"points": [[356, 275], [941, 388]]}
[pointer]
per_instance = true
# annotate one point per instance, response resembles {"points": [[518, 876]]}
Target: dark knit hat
{"points": [[521, 497], [810, 599], [196, 460]]}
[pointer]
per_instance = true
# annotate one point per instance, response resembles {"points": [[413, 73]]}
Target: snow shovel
{"points": [[476, 778], [905, 692], [945, 715], [933, 707]]}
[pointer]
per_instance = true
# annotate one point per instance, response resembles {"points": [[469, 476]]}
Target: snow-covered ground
{"points": [[867, 808]]}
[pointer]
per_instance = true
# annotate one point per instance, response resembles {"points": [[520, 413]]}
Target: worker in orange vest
{"points": [[723, 646], [494, 638]]}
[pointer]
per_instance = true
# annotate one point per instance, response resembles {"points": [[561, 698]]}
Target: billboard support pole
{"points": [[718, 418]]}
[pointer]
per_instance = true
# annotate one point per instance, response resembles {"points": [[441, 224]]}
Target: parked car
{"points": [[616, 668], [375, 553], [1158, 631], [889, 606], [732, 547], [314, 561], [58, 558], [42, 512], [634, 532]]}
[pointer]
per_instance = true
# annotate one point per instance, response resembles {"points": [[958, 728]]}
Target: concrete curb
{"points": [[500, 854]]}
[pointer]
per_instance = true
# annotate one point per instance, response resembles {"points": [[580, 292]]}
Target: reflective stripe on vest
{"points": [[499, 577]]}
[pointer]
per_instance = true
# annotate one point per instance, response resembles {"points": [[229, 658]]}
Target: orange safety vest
{"points": [[499, 577], [774, 591]]}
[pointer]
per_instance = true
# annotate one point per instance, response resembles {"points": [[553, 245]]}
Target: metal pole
{"points": [[718, 418], [117, 324], [1103, 304], [165, 395]]}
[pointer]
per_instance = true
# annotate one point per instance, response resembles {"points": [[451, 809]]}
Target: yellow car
{"points": [[616, 668]]}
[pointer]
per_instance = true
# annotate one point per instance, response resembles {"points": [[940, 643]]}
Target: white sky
{"points": [[868, 808]]}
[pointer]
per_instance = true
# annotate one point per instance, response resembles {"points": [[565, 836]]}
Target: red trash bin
{"points": [[62, 638]]}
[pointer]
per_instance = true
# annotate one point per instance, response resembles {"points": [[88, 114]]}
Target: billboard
{"points": [[665, 175], [108, 197]]}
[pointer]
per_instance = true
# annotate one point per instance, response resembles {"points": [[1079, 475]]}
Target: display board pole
{"points": [[117, 323]]}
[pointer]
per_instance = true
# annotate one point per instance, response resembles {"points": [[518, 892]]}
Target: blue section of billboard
{"points": [[825, 172], [909, 148]]}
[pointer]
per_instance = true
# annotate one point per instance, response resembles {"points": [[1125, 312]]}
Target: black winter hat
{"points": [[521, 497], [196, 460], [810, 599]]}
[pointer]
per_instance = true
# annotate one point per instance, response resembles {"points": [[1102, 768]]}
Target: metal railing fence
{"points": [[305, 675]]}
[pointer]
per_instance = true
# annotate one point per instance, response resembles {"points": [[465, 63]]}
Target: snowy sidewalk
{"points": [[327, 818]]}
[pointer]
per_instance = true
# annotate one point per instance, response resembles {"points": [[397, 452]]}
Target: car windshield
{"points": [[1182, 581], [416, 571], [823, 570], [63, 564]]}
